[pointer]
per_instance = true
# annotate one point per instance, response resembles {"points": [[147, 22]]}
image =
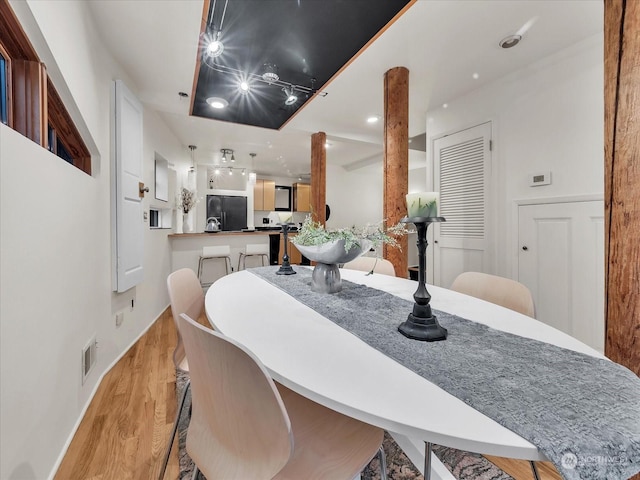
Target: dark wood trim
{"points": [[622, 182], [9, 68], [66, 132], [13, 37], [29, 100], [34, 103], [396, 161], [319, 177]]}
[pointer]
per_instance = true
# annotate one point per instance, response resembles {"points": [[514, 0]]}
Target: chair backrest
{"points": [[216, 251], [499, 290], [257, 249], [186, 296], [366, 264], [239, 426]]}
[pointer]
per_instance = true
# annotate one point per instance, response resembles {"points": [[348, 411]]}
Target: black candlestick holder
{"points": [[422, 324], [286, 268]]}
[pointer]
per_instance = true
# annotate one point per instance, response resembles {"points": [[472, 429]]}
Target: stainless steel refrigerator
{"points": [[231, 211]]}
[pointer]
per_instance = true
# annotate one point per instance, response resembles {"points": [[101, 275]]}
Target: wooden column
{"points": [[319, 177], [396, 160], [622, 182]]}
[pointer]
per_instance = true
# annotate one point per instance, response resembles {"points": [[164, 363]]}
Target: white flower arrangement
{"points": [[186, 200]]}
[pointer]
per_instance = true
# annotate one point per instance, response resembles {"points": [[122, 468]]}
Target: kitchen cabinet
{"points": [[301, 197], [264, 195]]}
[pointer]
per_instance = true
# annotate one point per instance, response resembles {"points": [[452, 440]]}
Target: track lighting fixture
{"points": [[225, 152], [291, 97], [213, 45]]}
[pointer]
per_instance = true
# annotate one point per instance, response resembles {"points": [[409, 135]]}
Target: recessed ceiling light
{"points": [[445, 105], [244, 87], [217, 102], [510, 41], [475, 76], [373, 119]]}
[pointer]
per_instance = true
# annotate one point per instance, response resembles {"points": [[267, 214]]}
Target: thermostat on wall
{"points": [[537, 179]]}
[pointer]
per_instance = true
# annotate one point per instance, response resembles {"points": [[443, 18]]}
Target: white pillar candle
{"points": [[423, 204]]}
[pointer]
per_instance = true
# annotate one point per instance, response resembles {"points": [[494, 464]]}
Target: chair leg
{"points": [[196, 471], [534, 469], [174, 431], [427, 460], [383, 463]]}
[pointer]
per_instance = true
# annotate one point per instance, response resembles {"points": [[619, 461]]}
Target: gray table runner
{"points": [[582, 412]]}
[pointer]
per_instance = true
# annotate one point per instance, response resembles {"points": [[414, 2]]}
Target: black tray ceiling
{"points": [[306, 39]]}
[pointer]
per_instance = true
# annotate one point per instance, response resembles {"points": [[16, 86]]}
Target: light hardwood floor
{"points": [[126, 428]]}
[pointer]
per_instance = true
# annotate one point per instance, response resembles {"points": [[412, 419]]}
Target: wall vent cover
{"points": [[89, 357]]}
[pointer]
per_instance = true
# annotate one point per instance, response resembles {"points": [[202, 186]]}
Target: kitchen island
{"points": [[187, 247]]}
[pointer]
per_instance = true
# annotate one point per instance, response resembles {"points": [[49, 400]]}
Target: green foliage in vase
{"points": [[428, 209], [313, 233]]}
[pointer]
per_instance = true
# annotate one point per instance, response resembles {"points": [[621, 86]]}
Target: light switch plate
{"points": [[540, 178]]}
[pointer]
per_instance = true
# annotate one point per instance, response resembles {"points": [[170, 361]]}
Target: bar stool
{"points": [[254, 250], [220, 252]]}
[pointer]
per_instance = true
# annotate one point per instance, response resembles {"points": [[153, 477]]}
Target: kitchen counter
{"points": [[224, 234]]}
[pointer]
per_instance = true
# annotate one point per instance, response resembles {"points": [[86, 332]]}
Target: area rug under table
{"points": [[462, 465]]}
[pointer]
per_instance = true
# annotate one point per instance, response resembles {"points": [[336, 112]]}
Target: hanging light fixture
{"points": [[233, 158], [230, 171], [191, 173], [252, 175]]}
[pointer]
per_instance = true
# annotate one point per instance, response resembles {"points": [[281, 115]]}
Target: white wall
{"points": [[355, 197], [546, 117], [56, 254]]}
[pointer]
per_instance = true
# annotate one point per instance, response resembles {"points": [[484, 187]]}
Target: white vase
{"points": [[186, 225]]}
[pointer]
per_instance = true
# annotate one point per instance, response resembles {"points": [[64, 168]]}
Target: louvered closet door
{"points": [[461, 175]]}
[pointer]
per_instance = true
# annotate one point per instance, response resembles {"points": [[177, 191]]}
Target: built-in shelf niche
{"points": [[160, 218]]}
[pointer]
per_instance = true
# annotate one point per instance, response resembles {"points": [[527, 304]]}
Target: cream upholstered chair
{"points": [[186, 296], [499, 290], [368, 264], [243, 426]]}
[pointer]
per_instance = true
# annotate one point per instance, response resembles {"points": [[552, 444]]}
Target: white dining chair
{"points": [[185, 296], [244, 426], [253, 250], [371, 264], [499, 290]]}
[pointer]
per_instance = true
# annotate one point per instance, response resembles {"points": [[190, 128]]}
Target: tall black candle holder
{"points": [[422, 324], [286, 268]]}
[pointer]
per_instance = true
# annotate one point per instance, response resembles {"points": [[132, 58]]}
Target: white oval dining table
{"points": [[313, 356]]}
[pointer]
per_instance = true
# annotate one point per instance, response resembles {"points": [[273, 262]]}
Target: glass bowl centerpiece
{"points": [[330, 248]]}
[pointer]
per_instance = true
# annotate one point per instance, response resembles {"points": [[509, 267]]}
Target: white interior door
{"points": [[561, 260], [127, 223], [462, 171]]}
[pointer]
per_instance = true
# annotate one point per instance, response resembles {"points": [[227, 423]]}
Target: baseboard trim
{"points": [[83, 412]]}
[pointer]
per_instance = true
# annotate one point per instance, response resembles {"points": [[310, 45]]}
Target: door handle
{"points": [[525, 248], [435, 241], [142, 189]]}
